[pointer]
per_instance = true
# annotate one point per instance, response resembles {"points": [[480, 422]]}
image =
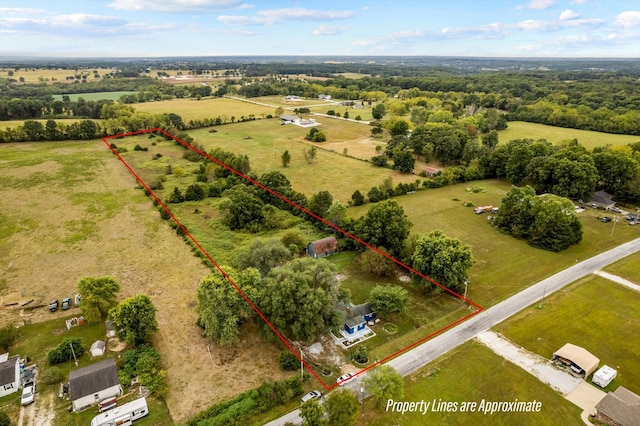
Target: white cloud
{"points": [[568, 15], [325, 29], [175, 5], [629, 19], [579, 1], [538, 4], [273, 16]]}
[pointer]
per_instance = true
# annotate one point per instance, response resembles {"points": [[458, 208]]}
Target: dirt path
{"points": [[46, 412]]}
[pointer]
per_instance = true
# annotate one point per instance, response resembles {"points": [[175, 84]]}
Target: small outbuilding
{"points": [[604, 376], [9, 374], [578, 359], [97, 349], [619, 408], [322, 248]]}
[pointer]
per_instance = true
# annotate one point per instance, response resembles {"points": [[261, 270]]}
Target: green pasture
{"points": [[96, 96], [597, 314], [473, 373], [193, 109], [627, 268], [503, 265], [365, 113], [587, 138], [277, 101]]}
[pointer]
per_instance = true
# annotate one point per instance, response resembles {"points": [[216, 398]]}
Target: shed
{"points": [[9, 375], [578, 359], [111, 332], [97, 349], [604, 376], [321, 248], [94, 383], [620, 408], [431, 171]]}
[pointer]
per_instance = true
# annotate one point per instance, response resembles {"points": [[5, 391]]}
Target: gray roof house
{"points": [[620, 408], [603, 199], [9, 374], [94, 383]]}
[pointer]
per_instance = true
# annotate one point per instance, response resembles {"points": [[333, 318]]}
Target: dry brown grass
{"points": [[56, 228]]}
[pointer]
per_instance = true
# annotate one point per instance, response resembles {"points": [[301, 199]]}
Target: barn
{"points": [[577, 359], [321, 248]]}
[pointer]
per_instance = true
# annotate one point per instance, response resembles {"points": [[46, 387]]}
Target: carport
{"points": [[578, 359]]}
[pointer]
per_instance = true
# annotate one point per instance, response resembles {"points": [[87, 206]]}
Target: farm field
{"points": [[579, 314], [48, 75], [365, 113], [291, 105], [264, 141], [96, 96], [589, 139], [628, 268], [192, 109], [503, 265], [72, 209], [453, 378]]}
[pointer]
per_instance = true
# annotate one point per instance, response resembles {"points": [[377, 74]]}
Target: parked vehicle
{"points": [[77, 300], [345, 378], [53, 305], [66, 303], [314, 394], [123, 415], [616, 210], [28, 393]]}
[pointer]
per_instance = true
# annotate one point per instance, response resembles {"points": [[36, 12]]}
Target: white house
{"points": [[9, 374], [90, 385]]}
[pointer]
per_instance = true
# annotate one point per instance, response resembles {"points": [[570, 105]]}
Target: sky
{"points": [[484, 28]]}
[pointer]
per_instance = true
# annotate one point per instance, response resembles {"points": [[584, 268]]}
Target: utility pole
{"points": [[74, 354], [615, 220]]}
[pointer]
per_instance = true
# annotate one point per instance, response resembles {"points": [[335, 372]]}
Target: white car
{"points": [[345, 378], [27, 394], [315, 394]]}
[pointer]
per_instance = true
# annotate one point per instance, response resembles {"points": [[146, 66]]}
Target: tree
{"points": [[320, 203], [403, 161], [220, 307], [399, 128], [176, 196], [336, 213], [5, 420], [312, 413], [342, 408], [615, 169], [378, 111], [243, 207], [315, 135], [279, 111], [445, 260], [264, 255], [134, 320], [388, 299], [490, 140], [98, 296], [299, 297], [286, 158], [288, 361], [310, 154], [144, 362], [384, 383], [384, 225], [374, 263], [65, 351], [8, 336], [357, 198], [194, 192]]}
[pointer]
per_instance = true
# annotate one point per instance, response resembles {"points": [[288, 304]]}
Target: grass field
{"points": [[365, 113], [70, 210], [628, 268], [264, 141], [589, 139], [472, 373], [51, 75], [112, 96], [279, 101], [594, 313], [503, 265], [192, 109]]}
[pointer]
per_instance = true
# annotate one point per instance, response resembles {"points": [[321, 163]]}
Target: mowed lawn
{"points": [[264, 141], [627, 268], [594, 313], [280, 101], [473, 373], [193, 109], [589, 139], [503, 265]]}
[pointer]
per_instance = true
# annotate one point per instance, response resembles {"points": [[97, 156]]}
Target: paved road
{"points": [[441, 344]]}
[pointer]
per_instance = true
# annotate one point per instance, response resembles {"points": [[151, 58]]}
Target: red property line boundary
{"points": [[105, 139]]}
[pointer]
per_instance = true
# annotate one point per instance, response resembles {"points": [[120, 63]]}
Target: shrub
{"points": [[361, 354], [8, 336], [64, 353], [288, 361]]}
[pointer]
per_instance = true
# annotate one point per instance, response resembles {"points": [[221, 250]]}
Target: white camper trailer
{"points": [[123, 415], [604, 376]]}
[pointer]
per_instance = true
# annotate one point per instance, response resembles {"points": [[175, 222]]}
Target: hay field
{"points": [[587, 138], [192, 109], [70, 210], [39, 75]]}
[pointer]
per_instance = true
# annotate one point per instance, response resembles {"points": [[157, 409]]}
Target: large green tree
{"points": [[388, 299], [320, 203], [342, 408], [220, 307], [312, 413], [134, 320], [384, 225], [384, 383], [615, 169], [298, 298], [243, 208], [98, 296], [445, 260], [264, 255]]}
